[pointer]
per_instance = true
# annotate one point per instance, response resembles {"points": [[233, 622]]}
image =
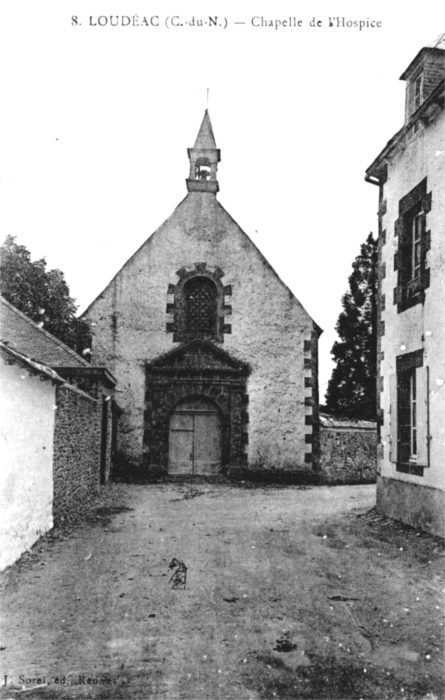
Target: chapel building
{"points": [[216, 360]]}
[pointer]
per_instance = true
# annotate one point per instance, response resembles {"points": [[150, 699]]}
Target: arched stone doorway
{"points": [[197, 371], [195, 438]]}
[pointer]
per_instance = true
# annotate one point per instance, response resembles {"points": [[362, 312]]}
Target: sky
{"points": [[97, 119]]}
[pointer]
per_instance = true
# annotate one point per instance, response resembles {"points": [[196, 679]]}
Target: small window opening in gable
{"points": [[201, 305], [417, 92], [415, 96], [202, 169]]}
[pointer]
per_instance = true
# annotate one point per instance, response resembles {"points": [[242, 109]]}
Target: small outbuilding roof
{"points": [[14, 357], [25, 336]]}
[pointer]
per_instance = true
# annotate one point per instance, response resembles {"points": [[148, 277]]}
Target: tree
{"points": [[41, 294], [352, 389]]}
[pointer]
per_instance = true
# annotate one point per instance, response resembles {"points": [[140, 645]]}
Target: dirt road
{"points": [[291, 593]]}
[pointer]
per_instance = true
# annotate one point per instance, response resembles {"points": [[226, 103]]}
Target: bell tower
{"points": [[204, 158]]}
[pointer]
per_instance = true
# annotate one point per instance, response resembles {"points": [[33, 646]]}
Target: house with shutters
{"points": [[215, 359], [410, 174]]}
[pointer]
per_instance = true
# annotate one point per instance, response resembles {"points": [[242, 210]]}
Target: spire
{"points": [[204, 158], [205, 138]]}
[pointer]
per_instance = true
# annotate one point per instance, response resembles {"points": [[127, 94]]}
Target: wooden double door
{"points": [[195, 438]]}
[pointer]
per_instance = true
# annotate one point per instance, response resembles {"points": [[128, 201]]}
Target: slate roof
{"points": [[205, 139], [14, 357], [23, 335]]}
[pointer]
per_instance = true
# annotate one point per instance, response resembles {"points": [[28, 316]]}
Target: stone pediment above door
{"points": [[200, 356]]}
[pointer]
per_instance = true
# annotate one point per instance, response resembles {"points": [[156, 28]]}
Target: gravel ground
{"points": [[297, 592]]}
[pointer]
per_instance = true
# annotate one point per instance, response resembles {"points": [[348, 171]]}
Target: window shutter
{"points": [[423, 427], [398, 227], [398, 295], [423, 238], [425, 246], [393, 430], [426, 203]]}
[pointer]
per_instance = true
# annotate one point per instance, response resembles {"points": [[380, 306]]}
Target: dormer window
{"points": [[414, 95], [417, 92], [422, 76]]}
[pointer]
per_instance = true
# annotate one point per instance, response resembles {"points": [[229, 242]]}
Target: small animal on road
{"points": [[179, 577]]}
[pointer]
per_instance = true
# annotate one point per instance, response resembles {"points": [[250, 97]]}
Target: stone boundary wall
{"points": [[348, 451], [77, 442]]}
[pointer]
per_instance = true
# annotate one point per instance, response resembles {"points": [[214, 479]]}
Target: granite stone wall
{"points": [[348, 455], [77, 442], [107, 438]]}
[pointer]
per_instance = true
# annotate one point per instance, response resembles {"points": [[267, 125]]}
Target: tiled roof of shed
{"points": [[25, 336], [13, 356], [337, 422]]}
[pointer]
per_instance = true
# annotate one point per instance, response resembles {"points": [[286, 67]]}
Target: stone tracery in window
{"points": [[201, 305], [199, 308]]}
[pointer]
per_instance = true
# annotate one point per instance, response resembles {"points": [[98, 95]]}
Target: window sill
{"points": [[411, 293], [409, 468], [187, 336]]}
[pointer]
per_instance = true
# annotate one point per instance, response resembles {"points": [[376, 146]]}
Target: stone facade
{"points": [[269, 409], [410, 174], [77, 452], [348, 451], [98, 383]]}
